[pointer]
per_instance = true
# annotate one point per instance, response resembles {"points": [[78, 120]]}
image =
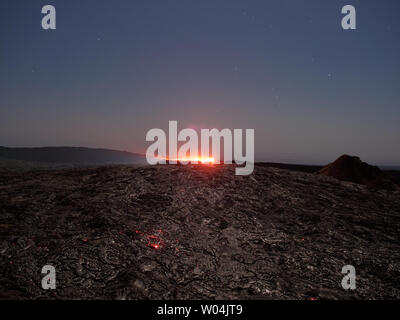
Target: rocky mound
{"points": [[352, 169]]}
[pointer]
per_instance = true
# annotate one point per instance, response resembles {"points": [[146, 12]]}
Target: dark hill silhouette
{"points": [[71, 155], [352, 169]]}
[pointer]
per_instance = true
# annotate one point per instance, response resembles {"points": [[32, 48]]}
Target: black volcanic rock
{"points": [[352, 169], [195, 232]]}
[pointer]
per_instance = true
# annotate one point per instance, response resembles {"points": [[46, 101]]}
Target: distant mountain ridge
{"points": [[71, 155]]}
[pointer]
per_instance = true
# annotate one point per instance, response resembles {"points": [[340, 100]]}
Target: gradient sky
{"points": [[115, 69]]}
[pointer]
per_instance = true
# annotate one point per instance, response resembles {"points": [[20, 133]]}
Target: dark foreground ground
{"points": [[180, 232]]}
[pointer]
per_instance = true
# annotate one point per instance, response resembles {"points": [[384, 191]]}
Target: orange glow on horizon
{"points": [[201, 160]]}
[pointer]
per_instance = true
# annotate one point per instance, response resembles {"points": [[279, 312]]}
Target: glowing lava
{"points": [[155, 242], [201, 160], [193, 160]]}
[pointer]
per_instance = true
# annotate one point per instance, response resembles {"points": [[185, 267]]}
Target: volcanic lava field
{"points": [[195, 232]]}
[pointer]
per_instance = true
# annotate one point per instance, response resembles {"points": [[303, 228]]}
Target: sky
{"points": [[112, 70]]}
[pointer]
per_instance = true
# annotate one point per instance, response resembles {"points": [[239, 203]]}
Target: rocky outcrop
{"points": [[352, 169]]}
